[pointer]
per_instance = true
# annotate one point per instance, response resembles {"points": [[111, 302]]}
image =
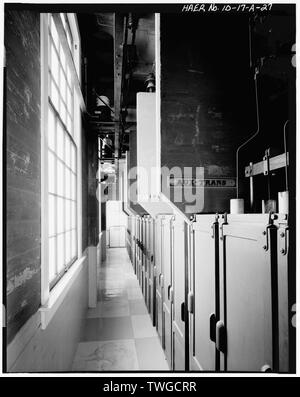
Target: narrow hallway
{"points": [[119, 335]]}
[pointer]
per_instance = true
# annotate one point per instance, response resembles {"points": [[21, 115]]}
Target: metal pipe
{"points": [[250, 45], [85, 79], [251, 190], [251, 137]]}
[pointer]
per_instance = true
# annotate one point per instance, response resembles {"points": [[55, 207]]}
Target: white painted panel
{"points": [[148, 161], [117, 236], [114, 214], [146, 146]]}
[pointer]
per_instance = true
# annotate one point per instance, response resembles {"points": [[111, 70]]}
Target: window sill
{"points": [[59, 292]]}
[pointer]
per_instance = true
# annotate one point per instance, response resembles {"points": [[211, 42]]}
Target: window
{"points": [[61, 149]]}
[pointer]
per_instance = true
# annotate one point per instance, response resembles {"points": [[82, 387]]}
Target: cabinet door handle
{"points": [[212, 327], [191, 302], [169, 289], [182, 311], [221, 337]]}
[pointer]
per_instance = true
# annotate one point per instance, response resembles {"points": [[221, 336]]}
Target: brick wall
{"points": [[23, 138]]}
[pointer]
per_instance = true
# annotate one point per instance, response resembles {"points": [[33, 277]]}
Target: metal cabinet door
{"points": [[143, 235], [146, 248], [151, 269], [128, 234], [158, 278], [167, 285], [244, 332], [147, 263], [178, 293], [140, 266], [138, 249], [286, 298], [133, 243], [203, 305]]}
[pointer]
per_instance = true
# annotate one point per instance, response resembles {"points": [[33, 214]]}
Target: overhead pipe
{"points": [[257, 119]]}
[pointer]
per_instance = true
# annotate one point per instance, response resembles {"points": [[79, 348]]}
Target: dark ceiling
{"points": [[97, 37]]}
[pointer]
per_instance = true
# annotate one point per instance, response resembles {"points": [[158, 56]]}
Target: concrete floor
{"points": [[119, 335]]}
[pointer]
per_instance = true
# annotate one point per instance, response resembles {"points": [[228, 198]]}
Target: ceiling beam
{"points": [[118, 74]]}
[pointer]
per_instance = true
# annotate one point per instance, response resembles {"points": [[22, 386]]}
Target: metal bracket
{"points": [[214, 227], [266, 162], [222, 224], [161, 279], [268, 230], [171, 295], [249, 171], [283, 240], [193, 218], [213, 231]]}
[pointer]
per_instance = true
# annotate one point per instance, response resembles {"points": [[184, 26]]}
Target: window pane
{"points": [[69, 76], [68, 248], [51, 218], [62, 17], [73, 157], [69, 123], [70, 101], [73, 215], [52, 257], [69, 37], [68, 151], [54, 96], [62, 58], [63, 86], [54, 33], [60, 215], [51, 129], [68, 214], [68, 183], [51, 172], [60, 252], [60, 141], [63, 112], [73, 186], [54, 64], [62, 206], [74, 244], [60, 178]]}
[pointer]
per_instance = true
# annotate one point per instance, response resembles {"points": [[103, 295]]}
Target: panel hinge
{"points": [[283, 240], [267, 233], [224, 216]]}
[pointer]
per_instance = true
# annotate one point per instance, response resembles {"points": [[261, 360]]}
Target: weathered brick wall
{"points": [[23, 144], [207, 97], [23, 137]]}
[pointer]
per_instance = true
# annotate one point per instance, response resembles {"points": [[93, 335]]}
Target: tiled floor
{"points": [[119, 335]]}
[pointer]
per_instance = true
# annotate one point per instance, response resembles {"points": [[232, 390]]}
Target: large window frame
{"points": [[61, 104]]}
